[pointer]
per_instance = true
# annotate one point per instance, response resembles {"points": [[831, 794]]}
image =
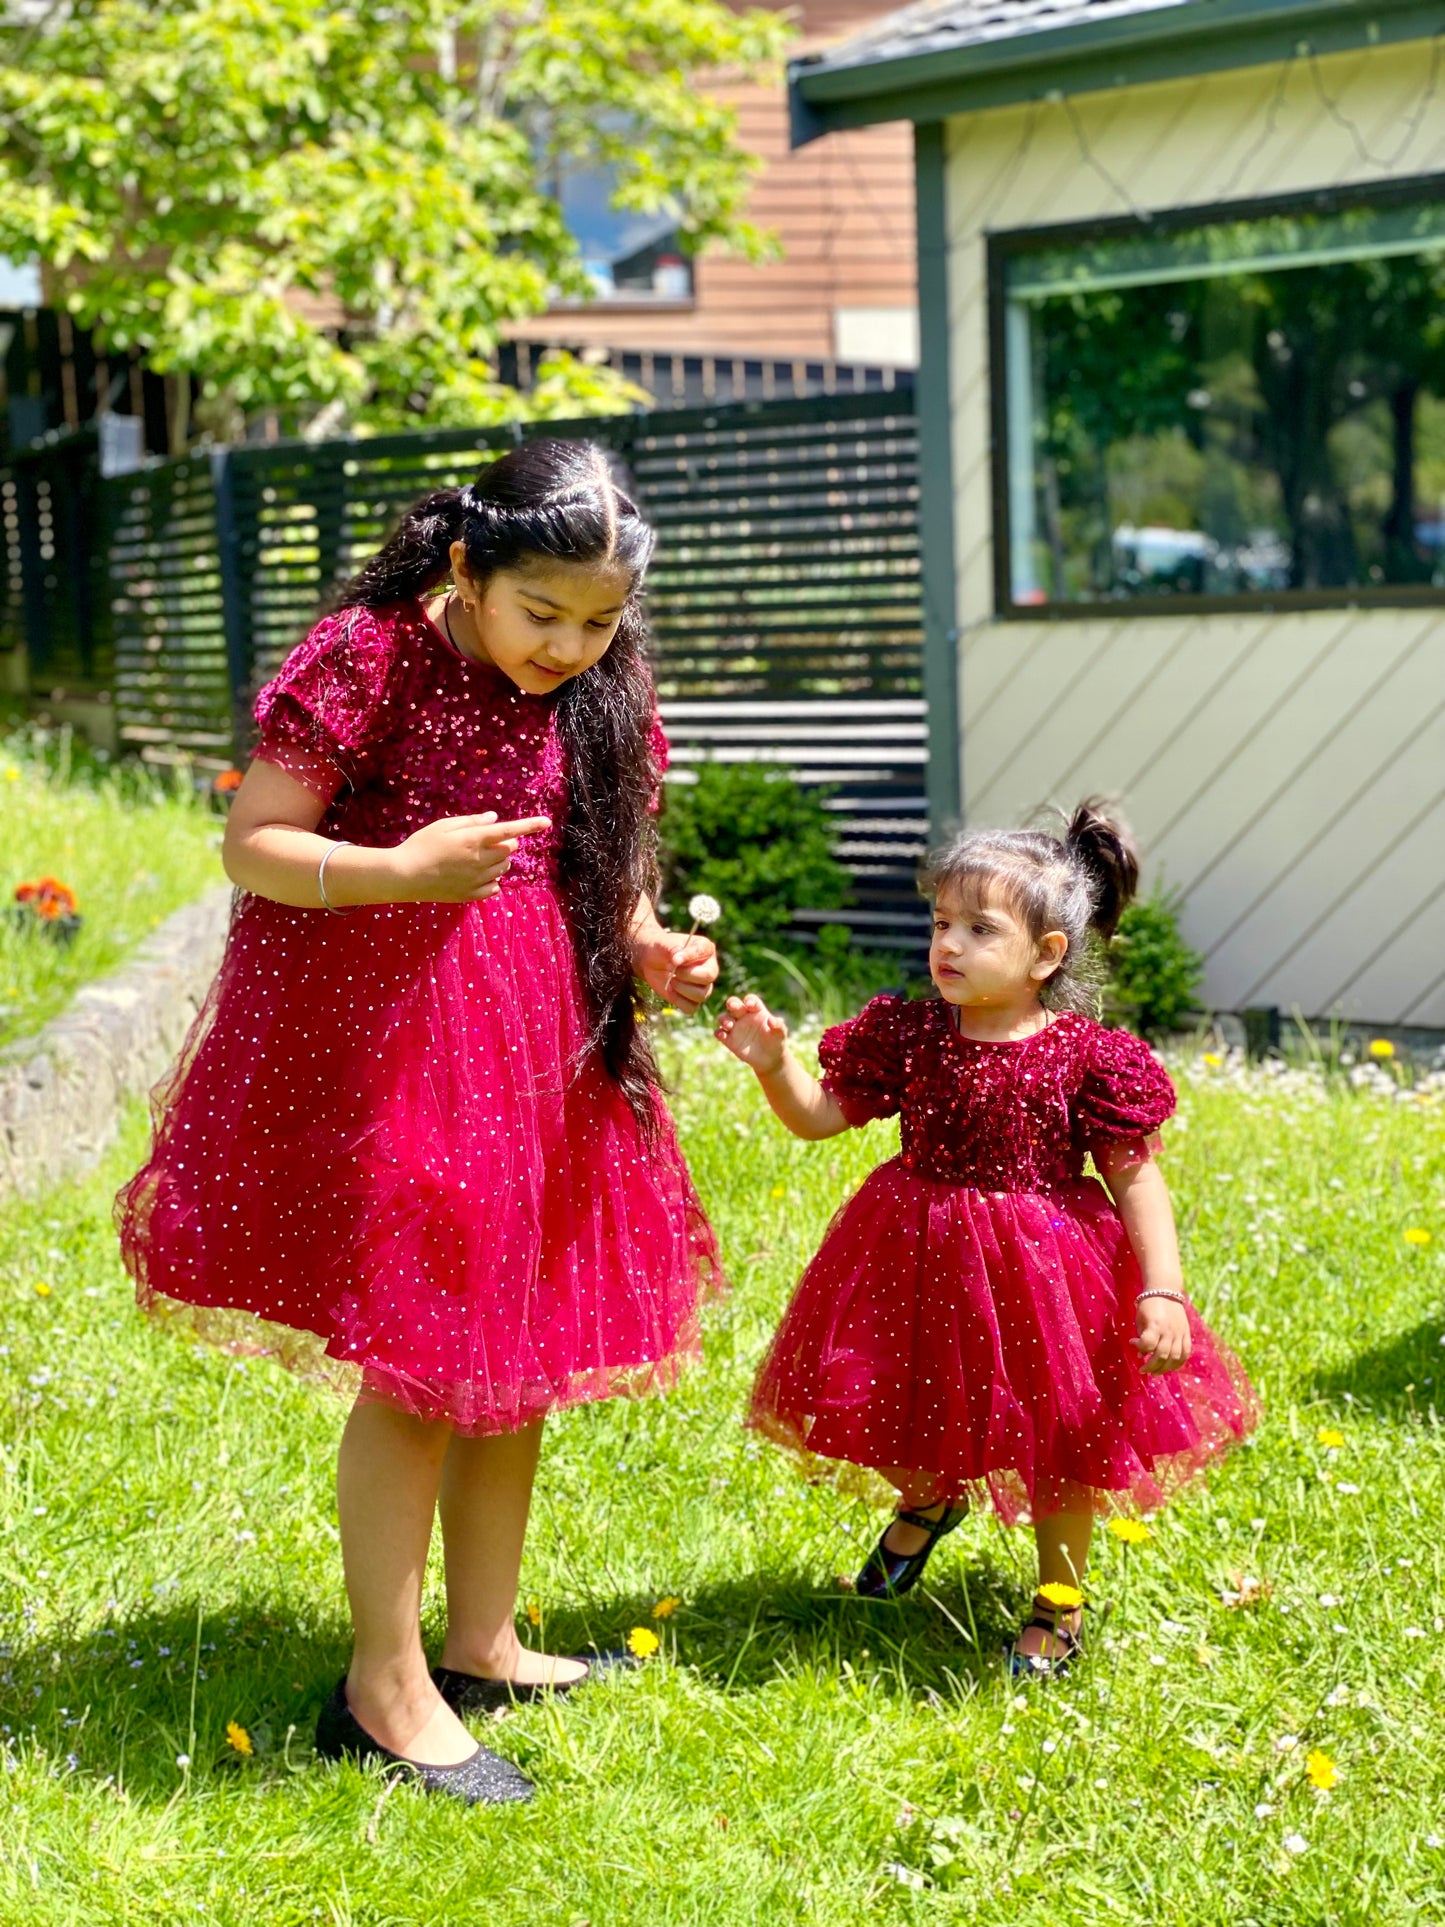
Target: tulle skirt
{"points": [[386, 1158], [983, 1337]]}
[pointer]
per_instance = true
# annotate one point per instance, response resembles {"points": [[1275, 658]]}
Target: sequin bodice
{"points": [[997, 1117], [379, 714]]}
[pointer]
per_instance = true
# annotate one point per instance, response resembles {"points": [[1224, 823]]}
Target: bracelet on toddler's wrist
{"points": [[1179, 1297], [336, 909]]}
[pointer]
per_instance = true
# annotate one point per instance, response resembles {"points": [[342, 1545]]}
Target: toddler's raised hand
{"points": [[459, 859], [751, 1032]]}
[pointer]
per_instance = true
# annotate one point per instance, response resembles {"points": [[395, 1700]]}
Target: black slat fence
{"points": [[784, 598]]}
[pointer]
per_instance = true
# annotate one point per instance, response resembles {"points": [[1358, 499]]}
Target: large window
{"points": [[1248, 404]]}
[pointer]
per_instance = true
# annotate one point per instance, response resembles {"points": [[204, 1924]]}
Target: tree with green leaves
{"points": [[332, 207]]}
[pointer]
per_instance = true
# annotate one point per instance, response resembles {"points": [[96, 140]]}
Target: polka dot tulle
{"points": [[970, 1311], [386, 1155]]}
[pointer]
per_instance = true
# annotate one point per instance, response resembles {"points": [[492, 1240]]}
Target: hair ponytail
{"points": [[417, 555], [1101, 845], [555, 501], [1078, 883]]}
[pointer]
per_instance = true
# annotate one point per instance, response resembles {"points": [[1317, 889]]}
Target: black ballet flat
{"points": [[486, 1779], [469, 1693], [887, 1574]]}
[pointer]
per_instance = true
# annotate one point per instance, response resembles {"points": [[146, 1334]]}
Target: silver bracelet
{"points": [[1179, 1297], [337, 910]]}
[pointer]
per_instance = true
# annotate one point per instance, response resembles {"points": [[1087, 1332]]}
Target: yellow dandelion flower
{"points": [[780, 1191], [1133, 1532], [1067, 1598], [239, 1738], [1417, 1235], [1214, 1060], [42, 1290], [1327, 1435], [642, 1642], [1381, 1047], [1321, 1770], [534, 1613], [665, 1608]]}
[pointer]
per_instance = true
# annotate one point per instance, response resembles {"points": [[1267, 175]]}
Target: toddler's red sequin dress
{"points": [[383, 1154], [970, 1311]]}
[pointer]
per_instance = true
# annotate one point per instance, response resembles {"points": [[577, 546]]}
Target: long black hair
{"points": [[556, 501]]}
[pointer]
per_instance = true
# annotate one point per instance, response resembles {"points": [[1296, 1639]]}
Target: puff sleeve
{"points": [[327, 712], [864, 1061], [1126, 1093]]}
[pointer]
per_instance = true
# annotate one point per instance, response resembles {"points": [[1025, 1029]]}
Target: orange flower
{"points": [[227, 782], [48, 897]]}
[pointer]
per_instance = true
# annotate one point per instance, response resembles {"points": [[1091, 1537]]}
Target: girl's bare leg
{"points": [[387, 1474], [1063, 1542], [486, 1493]]}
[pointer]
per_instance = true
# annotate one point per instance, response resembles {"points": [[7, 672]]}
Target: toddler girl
{"points": [[415, 1138], [982, 1317]]}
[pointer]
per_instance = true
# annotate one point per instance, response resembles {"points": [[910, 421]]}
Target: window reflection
{"points": [[1230, 408]]}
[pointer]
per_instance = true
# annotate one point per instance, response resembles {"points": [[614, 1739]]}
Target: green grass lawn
{"points": [[791, 1754], [132, 846]]}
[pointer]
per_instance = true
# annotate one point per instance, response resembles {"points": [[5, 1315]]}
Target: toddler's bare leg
{"points": [[1063, 1542], [386, 1490], [486, 1493]]}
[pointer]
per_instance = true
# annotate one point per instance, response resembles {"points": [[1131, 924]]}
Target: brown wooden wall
{"points": [[841, 207]]}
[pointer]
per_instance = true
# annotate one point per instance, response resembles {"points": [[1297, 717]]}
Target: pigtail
{"points": [[415, 559], [1101, 845]]}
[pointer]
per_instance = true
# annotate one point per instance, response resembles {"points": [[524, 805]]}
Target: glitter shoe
{"points": [[486, 1779], [470, 1693], [887, 1574]]}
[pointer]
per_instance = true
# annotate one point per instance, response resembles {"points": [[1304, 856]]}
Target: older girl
{"points": [[415, 1139]]}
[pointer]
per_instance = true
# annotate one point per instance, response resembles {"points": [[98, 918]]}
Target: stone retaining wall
{"points": [[62, 1092]]}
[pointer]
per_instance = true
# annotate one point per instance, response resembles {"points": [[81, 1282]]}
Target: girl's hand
{"points": [[750, 1031], [458, 859], [682, 970], [1164, 1340]]}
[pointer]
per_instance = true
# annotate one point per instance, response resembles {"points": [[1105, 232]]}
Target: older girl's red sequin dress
{"points": [[385, 1153], [970, 1311]]}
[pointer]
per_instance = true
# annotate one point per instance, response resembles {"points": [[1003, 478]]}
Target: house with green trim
{"points": [[1182, 400]]}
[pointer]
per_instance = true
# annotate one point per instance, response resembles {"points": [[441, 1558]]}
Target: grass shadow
{"points": [[1399, 1377], [743, 1634], [132, 1699]]}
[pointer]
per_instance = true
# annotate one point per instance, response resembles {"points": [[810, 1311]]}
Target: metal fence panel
{"points": [[784, 597]]}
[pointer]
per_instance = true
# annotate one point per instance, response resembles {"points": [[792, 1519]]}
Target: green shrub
{"points": [[749, 835], [1153, 973]]}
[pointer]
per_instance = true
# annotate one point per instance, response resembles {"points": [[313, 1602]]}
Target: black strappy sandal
{"points": [[1068, 1646], [887, 1574]]}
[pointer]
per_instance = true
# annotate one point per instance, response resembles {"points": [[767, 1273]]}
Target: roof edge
{"points": [[1088, 56]]}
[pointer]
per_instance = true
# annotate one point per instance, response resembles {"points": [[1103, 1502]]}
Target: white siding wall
{"points": [[1287, 772]]}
